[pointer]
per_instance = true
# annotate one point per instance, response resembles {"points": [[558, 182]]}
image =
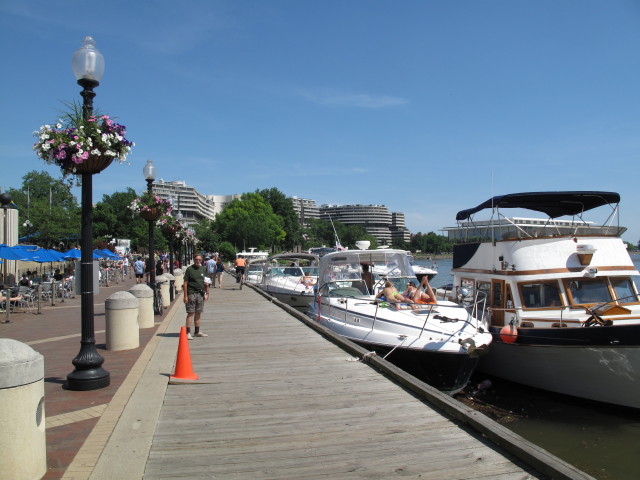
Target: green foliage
{"points": [[227, 251], [51, 209], [283, 207], [250, 222], [320, 232], [430, 243], [206, 234]]}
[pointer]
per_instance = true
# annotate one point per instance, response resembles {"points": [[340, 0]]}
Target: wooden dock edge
{"points": [[533, 455]]}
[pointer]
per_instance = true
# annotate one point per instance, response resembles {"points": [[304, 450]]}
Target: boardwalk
{"points": [[277, 401]]}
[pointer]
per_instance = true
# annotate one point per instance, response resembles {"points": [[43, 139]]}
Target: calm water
{"points": [[602, 440]]}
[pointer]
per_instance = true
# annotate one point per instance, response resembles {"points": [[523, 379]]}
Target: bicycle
{"points": [[240, 276], [158, 307]]}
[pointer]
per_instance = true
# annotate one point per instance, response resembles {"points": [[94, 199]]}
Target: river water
{"points": [[601, 440]]}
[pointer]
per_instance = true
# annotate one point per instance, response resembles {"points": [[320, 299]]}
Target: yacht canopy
{"points": [[554, 204]]}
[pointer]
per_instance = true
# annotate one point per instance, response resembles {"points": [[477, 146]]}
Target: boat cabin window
{"points": [[624, 290], [591, 290], [540, 294]]}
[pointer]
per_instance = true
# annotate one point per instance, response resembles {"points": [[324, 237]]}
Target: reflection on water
{"points": [[602, 440]]}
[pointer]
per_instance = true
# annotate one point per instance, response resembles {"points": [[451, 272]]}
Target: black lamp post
{"points": [[5, 199], [149, 172], [88, 67]]}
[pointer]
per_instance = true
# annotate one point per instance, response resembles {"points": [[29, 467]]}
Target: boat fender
{"points": [[509, 333]]}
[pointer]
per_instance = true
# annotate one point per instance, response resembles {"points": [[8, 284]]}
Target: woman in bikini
{"points": [[417, 295], [391, 294]]}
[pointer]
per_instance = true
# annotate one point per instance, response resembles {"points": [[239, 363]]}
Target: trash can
{"points": [[121, 321], [23, 447], [144, 294], [163, 281], [172, 282], [179, 276]]}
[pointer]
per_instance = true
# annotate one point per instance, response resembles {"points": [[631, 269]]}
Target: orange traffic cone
{"points": [[184, 370]]}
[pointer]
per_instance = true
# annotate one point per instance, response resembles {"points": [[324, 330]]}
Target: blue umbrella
{"points": [[11, 253], [76, 253], [43, 255]]}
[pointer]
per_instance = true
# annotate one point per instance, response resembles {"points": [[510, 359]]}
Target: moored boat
{"points": [[291, 277], [439, 343], [564, 311]]}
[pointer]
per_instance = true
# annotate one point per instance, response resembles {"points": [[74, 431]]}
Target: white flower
{"points": [[110, 153], [46, 146], [95, 151]]}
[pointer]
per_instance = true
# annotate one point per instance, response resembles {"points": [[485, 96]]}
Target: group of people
{"points": [[215, 269], [412, 294]]}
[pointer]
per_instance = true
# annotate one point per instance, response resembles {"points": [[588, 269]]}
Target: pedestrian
{"points": [[219, 271], [195, 292], [138, 269], [210, 264], [125, 266]]}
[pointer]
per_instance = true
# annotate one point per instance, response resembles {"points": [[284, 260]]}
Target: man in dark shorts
{"points": [[138, 268], [195, 291]]}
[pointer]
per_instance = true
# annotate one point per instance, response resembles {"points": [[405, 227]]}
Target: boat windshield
{"points": [[348, 265]]}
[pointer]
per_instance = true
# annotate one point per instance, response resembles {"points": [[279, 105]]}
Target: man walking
{"points": [[138, 268], [195, 291], [210, 265]]}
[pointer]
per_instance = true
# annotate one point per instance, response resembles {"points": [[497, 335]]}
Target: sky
{"points": [[426, 106]]}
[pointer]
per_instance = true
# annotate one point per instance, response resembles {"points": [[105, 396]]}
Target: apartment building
{"points": [[385, 226]]}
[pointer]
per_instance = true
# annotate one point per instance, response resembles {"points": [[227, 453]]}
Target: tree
{"points": [[52, 211], [283, 207], [430, 243], [250, 222], [206, 234]]}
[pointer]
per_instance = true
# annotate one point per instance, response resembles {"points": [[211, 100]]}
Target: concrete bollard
{"points": [[121, 321], [23, 443], [163, 281], [144, 294], [172, 281], [179, 274]]}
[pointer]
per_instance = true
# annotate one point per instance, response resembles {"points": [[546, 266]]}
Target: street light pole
{"points": [[5, 198], [149, 172], [88, 67]]}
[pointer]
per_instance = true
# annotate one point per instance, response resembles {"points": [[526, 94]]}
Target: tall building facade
{"points": [[376, 219], [193, 205], [305, 209]]}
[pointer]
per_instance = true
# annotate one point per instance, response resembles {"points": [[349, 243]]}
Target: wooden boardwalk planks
{"points": [[281, 401]]}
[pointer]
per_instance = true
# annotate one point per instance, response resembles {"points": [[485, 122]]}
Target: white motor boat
{"points": [[438, 343], [252, 255], [291, 278], [564, 309], [253, 272]]}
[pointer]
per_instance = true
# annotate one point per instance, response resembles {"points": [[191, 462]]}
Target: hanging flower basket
{"points": [[150, 207], [151, 214], [82, 145], [91, 165]]}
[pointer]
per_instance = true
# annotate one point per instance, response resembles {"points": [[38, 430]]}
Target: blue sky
{"points": [[428, 107]]}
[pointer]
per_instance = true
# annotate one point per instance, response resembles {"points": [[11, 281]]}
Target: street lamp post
{"points": [[149, 172], [5, 199], [88, 67]]}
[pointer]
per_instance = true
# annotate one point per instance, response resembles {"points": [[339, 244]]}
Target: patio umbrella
{"points": [[75, 253], [11, 253], [43, 255]]}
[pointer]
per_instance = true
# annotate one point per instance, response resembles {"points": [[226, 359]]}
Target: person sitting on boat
{"points": [[307, 280], [417, 295], [390, 294]]}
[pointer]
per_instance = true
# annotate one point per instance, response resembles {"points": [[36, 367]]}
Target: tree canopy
{"points": [[49, 213]]}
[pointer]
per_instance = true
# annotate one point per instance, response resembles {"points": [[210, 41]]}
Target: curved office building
{"points": [[376, 219]]}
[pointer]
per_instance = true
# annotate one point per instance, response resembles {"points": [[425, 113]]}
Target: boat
{"points": [[252, 255], [439, 343], [253, 272], [291, 277], [563, 308]]}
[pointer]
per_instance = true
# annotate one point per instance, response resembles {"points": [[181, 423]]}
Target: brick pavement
{"points": [[55, 333]]}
